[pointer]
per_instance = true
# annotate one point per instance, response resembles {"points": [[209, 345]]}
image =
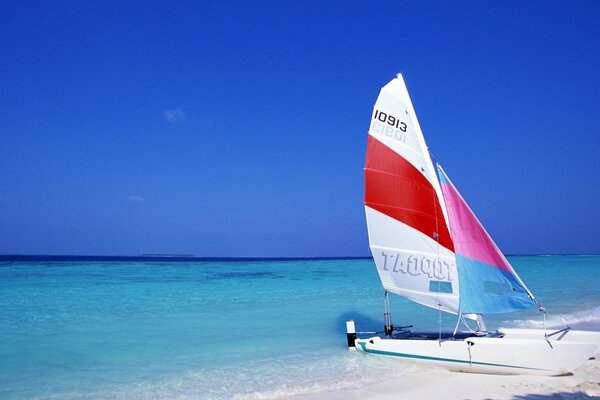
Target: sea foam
{"points": [[585, 320]]}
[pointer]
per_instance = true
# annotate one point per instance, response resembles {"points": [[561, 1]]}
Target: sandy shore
{"points": [[437, 384]]}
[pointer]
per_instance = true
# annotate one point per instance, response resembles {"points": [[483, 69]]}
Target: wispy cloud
{"points": [[135, 199], [175, 115]]}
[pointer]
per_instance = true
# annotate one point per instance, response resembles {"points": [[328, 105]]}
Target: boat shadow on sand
{"points": [[556, 395]]}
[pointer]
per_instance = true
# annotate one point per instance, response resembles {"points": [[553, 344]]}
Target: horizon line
{"points": [[190, 257]]}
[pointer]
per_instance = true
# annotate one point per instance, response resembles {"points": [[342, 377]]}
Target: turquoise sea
{"points": [[248, 329]]}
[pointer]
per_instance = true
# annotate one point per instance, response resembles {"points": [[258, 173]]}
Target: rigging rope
{"points": [[462, 317], [457, 323], [436, 236], [543, 310], [439, 324]]}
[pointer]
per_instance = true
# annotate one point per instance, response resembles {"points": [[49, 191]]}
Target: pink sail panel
{"points": [[469, 237]]}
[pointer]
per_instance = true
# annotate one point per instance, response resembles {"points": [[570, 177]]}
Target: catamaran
{"points": [[428, 246]]}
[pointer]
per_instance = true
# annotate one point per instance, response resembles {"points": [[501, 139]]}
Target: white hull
{"points": [[490, 355], [566, 336]]}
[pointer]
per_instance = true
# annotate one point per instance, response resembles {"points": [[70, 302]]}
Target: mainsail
{"points": [[408, 233], [427, 244]]}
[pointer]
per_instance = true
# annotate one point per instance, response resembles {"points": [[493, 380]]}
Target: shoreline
{"points": [[584, 383]]}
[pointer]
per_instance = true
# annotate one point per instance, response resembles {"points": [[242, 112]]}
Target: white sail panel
{"points": [[420, 270]]}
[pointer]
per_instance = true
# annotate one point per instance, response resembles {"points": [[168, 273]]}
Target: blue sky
{"points": [[239, 129]]}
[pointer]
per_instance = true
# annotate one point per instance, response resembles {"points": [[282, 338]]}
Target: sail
{"points": [[488, 283], [406, 217]]}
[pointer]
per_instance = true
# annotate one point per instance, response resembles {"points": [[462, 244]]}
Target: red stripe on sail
{"points": [[394, 187]]}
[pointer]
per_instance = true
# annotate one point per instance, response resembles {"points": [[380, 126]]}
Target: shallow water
{"points": [[220, 330]]}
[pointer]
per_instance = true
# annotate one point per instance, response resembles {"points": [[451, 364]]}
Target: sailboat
{"points": [[429, 247]]}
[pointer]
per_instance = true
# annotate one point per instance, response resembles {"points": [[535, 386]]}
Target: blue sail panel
{"points": [[487, 289]]}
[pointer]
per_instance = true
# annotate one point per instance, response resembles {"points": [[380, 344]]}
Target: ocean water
{"points": [[226, 329]]}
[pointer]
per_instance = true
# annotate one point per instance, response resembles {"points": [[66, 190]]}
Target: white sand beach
{"points": [[432, 384]]}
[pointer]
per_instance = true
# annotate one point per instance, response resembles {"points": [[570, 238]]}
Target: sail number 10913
{"points": [[387, 125], [390, 120]]}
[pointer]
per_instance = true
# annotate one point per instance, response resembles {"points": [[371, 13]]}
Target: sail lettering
{"points": [[417, 265], [427, 266], [441, 271], [390, 120], [385, 260], [413, 266], [388, 125]]}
